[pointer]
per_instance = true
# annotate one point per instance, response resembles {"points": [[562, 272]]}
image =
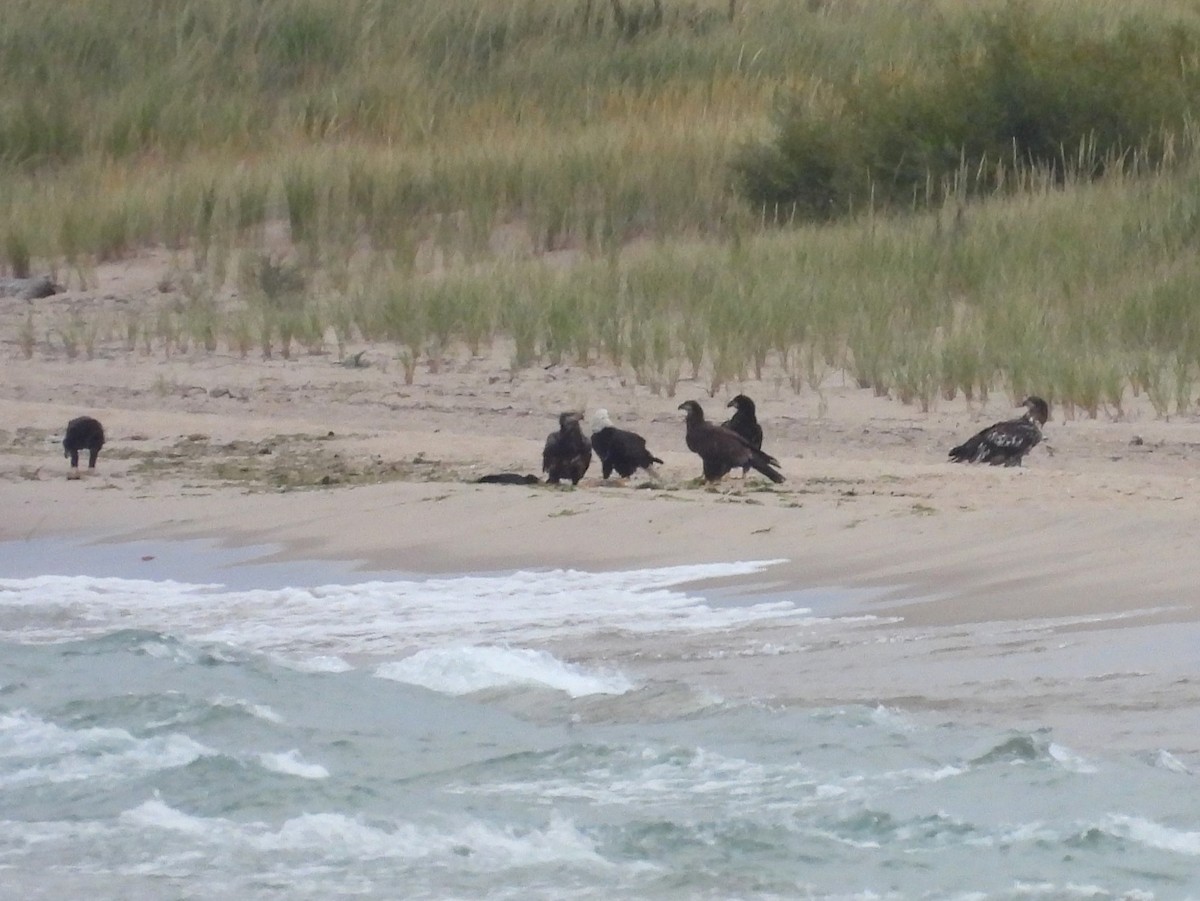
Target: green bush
{"points": [[1013, 94]]}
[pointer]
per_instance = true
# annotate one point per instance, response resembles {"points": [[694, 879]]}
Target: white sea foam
{"points": [[462, 670], [164, 650], [1053, 890], [330, 621], [23, 735], [290, 763], [634, 780], [1069, 760], [155, 814], [1168, 761], [42, 752], [1154, 835], [949, 771], [471, 844], [318, 664], [259, 711], [1019, 834], [892, 719]]}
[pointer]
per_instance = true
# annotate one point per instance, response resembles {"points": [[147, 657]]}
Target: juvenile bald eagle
{"points": [[568, 453], [745, 423], [83, 433], [720, 449], [1006, 443], [619, 449]]}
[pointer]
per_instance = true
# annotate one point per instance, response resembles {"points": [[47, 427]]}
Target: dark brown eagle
{"points": [[83, 433], [619, 449], [745, 423], [568, 453], [1006, 443], [721, 449]]}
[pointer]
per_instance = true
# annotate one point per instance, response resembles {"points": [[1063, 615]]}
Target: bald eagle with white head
{"points": [[567, 453], [1006, 443], [721, 449], [619, 450]]}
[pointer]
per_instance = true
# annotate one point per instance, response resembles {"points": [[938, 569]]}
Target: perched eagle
{"points": [[721, 449], [1006, 443], [568, 453], [745, 423], [83, 433], [619, 449]]}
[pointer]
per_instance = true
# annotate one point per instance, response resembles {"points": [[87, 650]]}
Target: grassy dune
{"points": [[400, 143]]}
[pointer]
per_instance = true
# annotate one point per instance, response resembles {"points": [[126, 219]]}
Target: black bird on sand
{"points": [[83, 433], [721, 449], [745, 423], [619, 449], [1006, 443], [568, 453]]}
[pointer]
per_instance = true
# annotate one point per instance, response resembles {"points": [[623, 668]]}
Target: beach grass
{"points": [[566, 178]]}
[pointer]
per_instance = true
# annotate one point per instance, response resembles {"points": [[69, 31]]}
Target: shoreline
{"points": [[1054, 594], [1120, 681], [1027, 544]]}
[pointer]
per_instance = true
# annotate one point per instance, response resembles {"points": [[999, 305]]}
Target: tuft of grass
{"points": [[18, 254], [71, 334], [240, 332]]}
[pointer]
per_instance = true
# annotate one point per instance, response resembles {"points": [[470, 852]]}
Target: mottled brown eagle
{"points": [[721, 449], [568, 453], [1006, 443]]}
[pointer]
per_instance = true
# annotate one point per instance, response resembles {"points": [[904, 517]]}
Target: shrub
{"points": [[1013, 93]]}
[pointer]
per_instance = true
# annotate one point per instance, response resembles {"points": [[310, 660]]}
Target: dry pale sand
{"points": [[1063, 593]]}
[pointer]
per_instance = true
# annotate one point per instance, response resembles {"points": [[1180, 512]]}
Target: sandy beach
{"points": [[1053, 594]]}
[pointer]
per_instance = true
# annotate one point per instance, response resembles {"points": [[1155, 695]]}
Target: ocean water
{"points": [[262, 733]]}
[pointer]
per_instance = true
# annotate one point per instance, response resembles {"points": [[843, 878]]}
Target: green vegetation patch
{"points": [[995, 196], [1020, 93]]}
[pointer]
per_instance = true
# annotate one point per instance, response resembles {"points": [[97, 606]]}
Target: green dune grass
{"points": [[445, 172]]}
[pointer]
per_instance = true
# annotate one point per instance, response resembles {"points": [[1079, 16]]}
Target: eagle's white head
{"points": [[600, 420]]}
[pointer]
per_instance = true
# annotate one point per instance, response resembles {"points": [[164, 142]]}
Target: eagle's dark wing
{"points": [[1004, 443], [602, 444], [622, 451], [720, 449], [552, 451], [746, 425]]}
